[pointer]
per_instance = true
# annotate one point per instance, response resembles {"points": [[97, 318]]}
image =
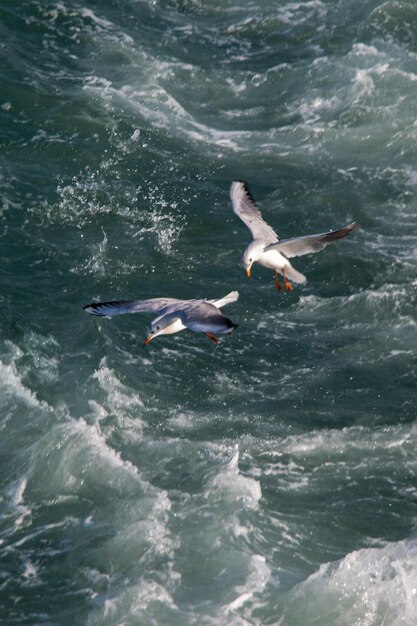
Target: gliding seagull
{"points": [[266, 249], [201, 316]]}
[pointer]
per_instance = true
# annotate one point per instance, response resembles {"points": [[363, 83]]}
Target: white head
{"points": [[164, 325], [252, 253]]}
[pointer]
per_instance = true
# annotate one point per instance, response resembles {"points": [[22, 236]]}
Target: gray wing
{"points": [[244, 206], [312, 243], [205, 317], [120, 307]]}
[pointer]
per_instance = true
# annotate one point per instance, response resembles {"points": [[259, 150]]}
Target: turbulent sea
{"points": [[269, 480]]}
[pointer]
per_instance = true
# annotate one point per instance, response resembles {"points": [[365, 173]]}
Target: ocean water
{"points": [[269, 480]]}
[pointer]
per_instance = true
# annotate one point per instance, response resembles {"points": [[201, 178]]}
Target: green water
{"points": [[270, 479]]}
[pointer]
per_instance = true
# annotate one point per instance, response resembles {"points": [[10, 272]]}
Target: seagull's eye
{"points": [[157, 328]]}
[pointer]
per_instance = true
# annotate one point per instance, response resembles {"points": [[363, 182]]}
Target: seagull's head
{"points": [[151, 335], [164, 325], [251, 254]]}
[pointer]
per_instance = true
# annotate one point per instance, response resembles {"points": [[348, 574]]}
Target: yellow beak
{"points": [[248, 272], [147, 340]]}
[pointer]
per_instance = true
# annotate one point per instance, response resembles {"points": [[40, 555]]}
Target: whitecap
{"points": [[119, 399], [365, 50], [77, 459], [31, 573], [12, 386], [229, 483], [15, 504], [259, 575], [154, 104], [363, 85], [96, 264], [312, 111], [142, 603], [99, 21], [369, 586]]}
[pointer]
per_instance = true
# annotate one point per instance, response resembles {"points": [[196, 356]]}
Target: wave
{"points": [[369, 586]]}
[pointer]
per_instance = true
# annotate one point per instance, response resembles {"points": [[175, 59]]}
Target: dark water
{"points": [[267, 480]]}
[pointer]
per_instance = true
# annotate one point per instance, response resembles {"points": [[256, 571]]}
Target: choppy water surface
{"points": [[270, 479]]}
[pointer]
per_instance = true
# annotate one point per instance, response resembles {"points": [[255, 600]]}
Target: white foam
{"points": [[369, 586], [97, 262], [92, 437], [35, 356], [30, 572], [312, 111], [135, 603], [376, 302], [119, 396], [16, 490], [11, 385], [291, 474], [165, 225], [228, 482], [363, 85], [15, 502], [288, 13], [356, 439], [135, 135], [153, 103], [362, 49], [99, 21], [142, 533], [258, 577], [76, 458]]}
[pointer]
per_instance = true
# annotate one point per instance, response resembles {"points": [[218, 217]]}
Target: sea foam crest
{"points": [[369, 586], [11, 383], [230, 483], [15, 504], [119, 395], [12, 372], [258, 577], [154, 104]]}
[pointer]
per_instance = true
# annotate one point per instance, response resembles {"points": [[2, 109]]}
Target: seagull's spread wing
{"points": [[311, 243], [244, 206], [120, 307], [231, 297]]}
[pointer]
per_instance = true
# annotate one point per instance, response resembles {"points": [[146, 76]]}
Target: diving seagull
{"points": [[266, 249], [201, 316]]}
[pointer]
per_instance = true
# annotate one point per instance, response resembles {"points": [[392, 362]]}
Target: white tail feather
{"points": [[294, 275], [231, 297]]}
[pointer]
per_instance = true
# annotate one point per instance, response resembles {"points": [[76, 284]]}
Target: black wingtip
{"points": [[341, 232], [230, 324], [93, 308], [96, 308]]}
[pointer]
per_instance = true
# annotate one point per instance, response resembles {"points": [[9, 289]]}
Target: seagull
{"points": [[201, 316], [266, 248]]}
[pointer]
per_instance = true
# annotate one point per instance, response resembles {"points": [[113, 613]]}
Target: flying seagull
{"points": [[201, 316], [266, 249]]}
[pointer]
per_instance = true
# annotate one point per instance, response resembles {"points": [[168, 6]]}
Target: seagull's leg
{"points": [[212, 337], [288, 286], [277, 283]]}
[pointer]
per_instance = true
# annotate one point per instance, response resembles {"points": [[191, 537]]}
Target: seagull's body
{"points": [[266, 249], [174, 315]]}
